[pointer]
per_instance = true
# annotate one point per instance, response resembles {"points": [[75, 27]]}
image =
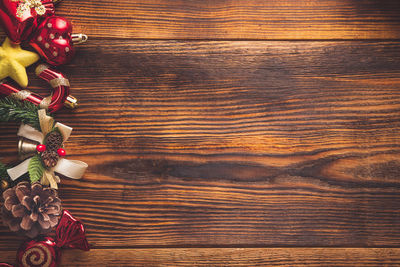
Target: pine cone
{"points": [[54, 141], [31, 209], [50, 158]]}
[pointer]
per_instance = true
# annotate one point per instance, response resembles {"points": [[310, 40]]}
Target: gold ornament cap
{"points": [[4, 185], [71, 102]]}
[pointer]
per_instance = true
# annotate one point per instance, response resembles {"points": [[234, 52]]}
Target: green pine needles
{"points": [[19, 111], [25, 112], [3, 171]]}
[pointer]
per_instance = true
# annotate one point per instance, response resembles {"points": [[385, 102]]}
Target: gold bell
{"points": [[26, 148], [4, 185]]}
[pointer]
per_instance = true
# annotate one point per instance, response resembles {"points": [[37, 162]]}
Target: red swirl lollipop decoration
{"points": [[34, 22], [59, 83], [40, 252], [45, 251]]}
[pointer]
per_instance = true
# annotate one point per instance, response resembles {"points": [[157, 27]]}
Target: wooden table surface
{"points": [[240, 132]]}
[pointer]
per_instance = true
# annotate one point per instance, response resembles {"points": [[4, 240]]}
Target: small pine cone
{"points": [[31, 209], [50, 158], [54, 141]]}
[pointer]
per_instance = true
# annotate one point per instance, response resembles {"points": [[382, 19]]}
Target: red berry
{"points": [[40, 148], [61, 152]]}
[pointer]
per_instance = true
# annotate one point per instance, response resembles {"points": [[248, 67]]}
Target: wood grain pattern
{"points": [[229, 257], [218, 131], [235, 144], [236, 19]]}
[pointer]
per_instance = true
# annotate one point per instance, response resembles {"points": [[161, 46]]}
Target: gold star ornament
{"points": [[14, 60]]}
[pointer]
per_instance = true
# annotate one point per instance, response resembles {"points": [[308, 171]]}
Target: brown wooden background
{"points": [[233, 132]]}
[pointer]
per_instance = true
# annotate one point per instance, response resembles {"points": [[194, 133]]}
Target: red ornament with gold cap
{"points": [[53, 40]]}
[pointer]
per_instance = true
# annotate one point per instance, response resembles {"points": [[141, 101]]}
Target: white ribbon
{"points": [[31, 133], [19, 170], [73, 169]]}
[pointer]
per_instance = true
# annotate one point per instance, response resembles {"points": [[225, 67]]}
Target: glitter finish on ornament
{"points": [[58, 82], [19, 23]]}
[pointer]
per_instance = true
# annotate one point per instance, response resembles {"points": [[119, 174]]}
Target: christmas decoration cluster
{"points": [[31, 205]]}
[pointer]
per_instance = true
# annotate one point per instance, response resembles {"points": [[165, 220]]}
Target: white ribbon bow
{"points": [[73, 169]]}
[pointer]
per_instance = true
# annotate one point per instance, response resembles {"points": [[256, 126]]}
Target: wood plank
{"points": [[229, 257], [234, 143], [235, 19]]}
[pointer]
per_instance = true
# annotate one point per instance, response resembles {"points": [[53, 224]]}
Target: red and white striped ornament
{"points": [[58, 98]]}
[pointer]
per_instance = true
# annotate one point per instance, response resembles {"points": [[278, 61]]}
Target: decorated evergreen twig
{"points": [[18, 111], [31, 205], [3, 169], [3, 176], [13, 110]]}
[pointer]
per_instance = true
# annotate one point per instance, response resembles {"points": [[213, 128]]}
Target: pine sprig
{"points": [[19, 111], [35, 168], [3, 171]]}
